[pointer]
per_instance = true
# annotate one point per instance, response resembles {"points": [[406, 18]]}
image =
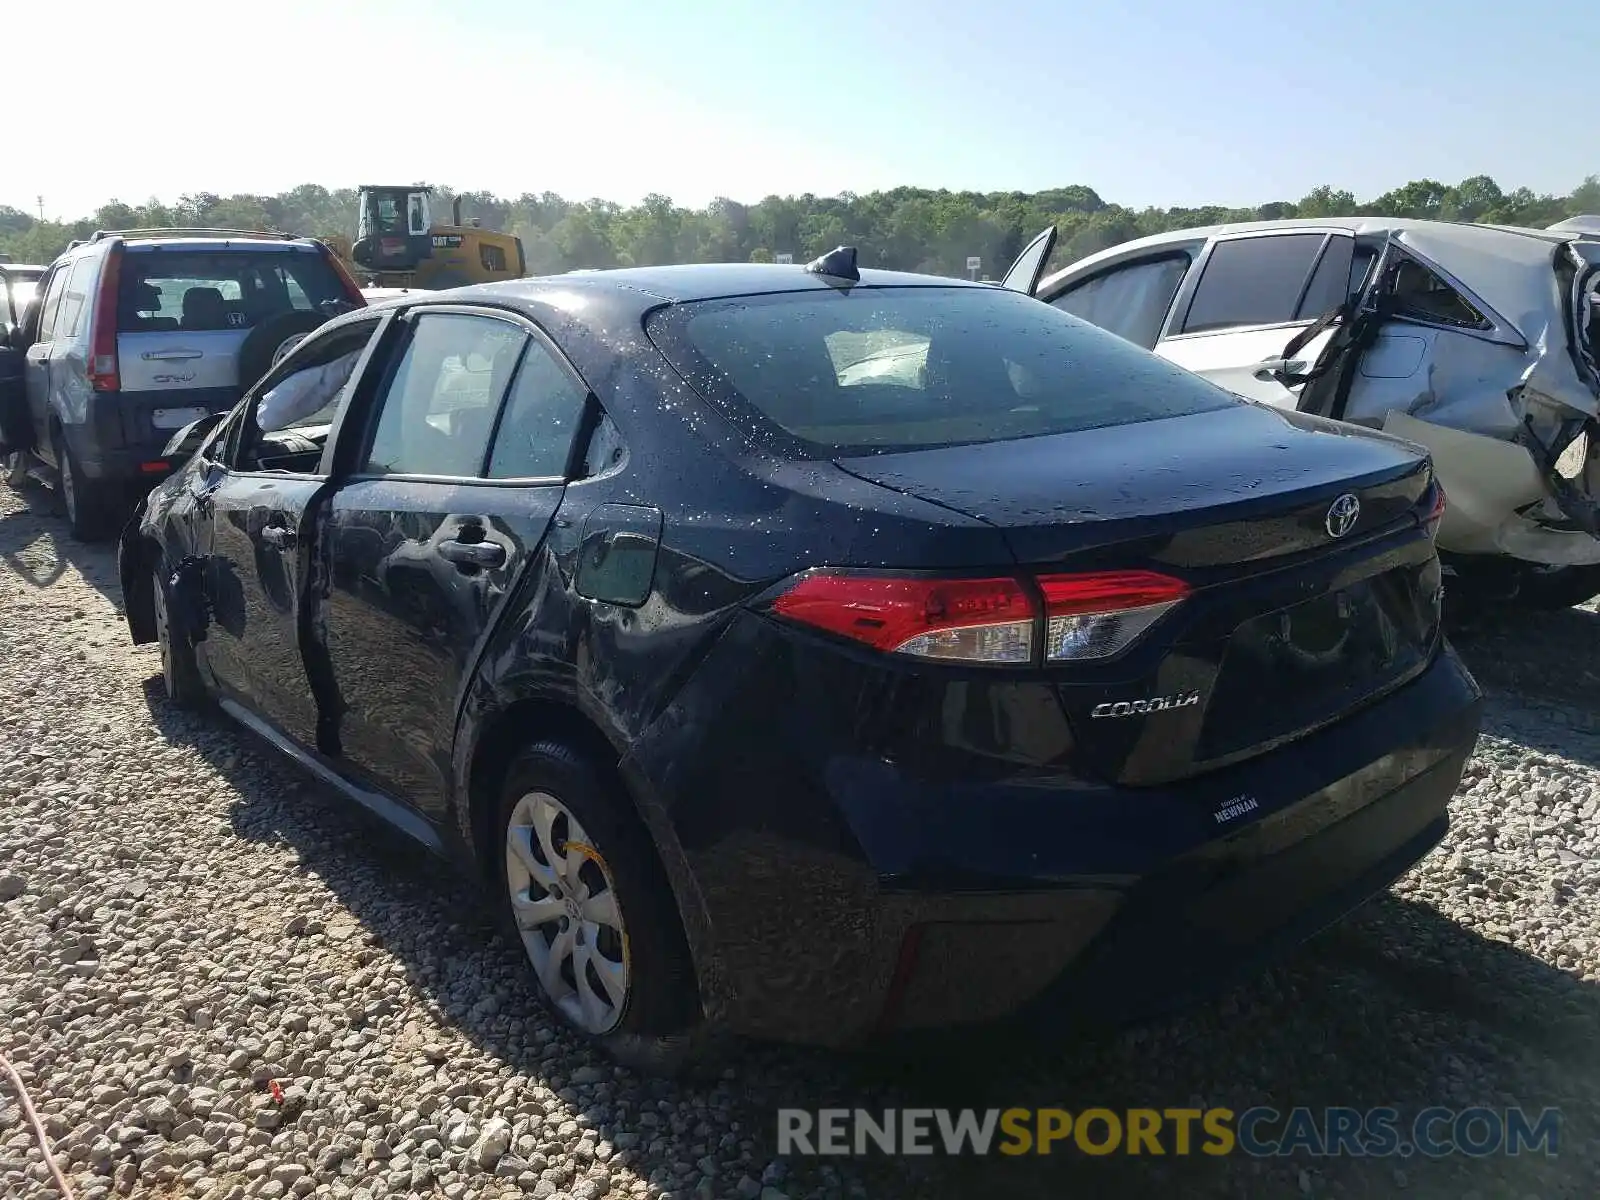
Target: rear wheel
{"points": [[179, 669], [84, 499], [586, 897]]}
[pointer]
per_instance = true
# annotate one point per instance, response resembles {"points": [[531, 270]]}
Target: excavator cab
{"points": [[393, 228]]}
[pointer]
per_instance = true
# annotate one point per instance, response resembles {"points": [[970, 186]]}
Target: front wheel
{"points": [[586, 897], [180, 671]]}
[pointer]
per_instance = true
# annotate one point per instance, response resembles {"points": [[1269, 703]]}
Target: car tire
{"points": [[180, 671], [1552, 591], [608, 912], [83, 499]]}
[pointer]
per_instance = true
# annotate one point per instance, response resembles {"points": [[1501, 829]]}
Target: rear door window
{"points": [[1253, 281], [211, 290], [852, 372], [1130, 301], [437, 413], [541, 417]]}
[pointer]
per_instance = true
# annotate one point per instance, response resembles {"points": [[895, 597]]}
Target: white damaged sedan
{"points": [[1478, 342]]}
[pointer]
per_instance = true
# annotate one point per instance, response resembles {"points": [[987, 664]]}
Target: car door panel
{"points": [[1245, 361], [417, 573], [256, 571], [1248, 357]]}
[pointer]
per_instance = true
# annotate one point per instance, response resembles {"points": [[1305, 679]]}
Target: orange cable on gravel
{"points": [[38, 1128]]}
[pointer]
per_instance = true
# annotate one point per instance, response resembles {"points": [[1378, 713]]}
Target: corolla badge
{"points": [[1342, 516], [1139, 708]]}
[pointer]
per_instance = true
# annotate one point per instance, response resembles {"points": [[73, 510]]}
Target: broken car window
{"points": [[1419, 293]]}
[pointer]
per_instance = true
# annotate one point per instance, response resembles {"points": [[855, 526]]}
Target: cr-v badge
{"points": [[1138, 708]]}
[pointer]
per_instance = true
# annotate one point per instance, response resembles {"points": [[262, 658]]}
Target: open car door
{"points": [[1345, 333], [16, 426], [1024, 274]]}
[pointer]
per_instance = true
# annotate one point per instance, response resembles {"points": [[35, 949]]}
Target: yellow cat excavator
{"points": [[398, 245]]}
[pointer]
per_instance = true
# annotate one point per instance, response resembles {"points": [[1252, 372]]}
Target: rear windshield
{"points": [[878, 369], [219, 289]]}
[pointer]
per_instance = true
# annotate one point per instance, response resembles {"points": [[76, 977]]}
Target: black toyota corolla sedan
{"points": [[812, 653]]}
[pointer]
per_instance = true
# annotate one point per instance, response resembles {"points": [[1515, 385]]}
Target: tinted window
{"points": [[1330, 282], [541, 416], [903, 368], [1131, 302], [219, 289], [1253, 281], [438, 411]]}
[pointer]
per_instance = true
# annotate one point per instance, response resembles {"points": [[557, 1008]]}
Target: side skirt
{"points": [[391, 811]]}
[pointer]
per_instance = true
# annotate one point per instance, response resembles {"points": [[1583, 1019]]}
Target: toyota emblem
{"points": [[1342, 516]]}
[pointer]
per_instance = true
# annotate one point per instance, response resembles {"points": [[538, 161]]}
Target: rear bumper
{"points": [[832, 893], [119, 436]]}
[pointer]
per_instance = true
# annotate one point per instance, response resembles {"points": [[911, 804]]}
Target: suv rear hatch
{"points": [[184, 313], [1285, 627]]}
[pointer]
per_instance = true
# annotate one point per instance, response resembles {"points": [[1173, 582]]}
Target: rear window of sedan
{"points": [[866, 369]]}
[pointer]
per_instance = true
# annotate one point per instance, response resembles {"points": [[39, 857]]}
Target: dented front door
{"points": [[254, 579]]}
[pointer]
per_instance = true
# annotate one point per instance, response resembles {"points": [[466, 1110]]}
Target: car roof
{"points": [[1506, 266], [1463, 233], [699, 281]]}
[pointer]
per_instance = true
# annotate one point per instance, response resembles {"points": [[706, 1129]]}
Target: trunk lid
{"points": [[1288, 628], [1237, 485]]}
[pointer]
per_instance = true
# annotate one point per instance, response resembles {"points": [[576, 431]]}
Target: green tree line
{"points": [[906, 228]]}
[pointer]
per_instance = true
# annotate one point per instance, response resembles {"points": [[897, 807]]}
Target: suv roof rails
{"points": [[192, 231]]}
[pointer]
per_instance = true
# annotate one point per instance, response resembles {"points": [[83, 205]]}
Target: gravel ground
{"points": [[190, 930]]}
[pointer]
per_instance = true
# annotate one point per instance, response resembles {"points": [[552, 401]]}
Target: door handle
{"points": [[1269, 368], [473, 554], [171, 355], [277, 535]]}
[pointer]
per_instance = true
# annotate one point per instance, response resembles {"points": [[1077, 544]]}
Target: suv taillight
{"points": [[104, 375], [992, 621]]}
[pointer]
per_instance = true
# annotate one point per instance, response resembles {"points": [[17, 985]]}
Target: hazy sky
{"points": [[1220, 101]]}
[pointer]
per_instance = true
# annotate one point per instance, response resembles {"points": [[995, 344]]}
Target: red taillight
{"points": [[992, 620], [1436, 512], [974, 620], [104, 375], [352, 289], [1097, 614]]}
